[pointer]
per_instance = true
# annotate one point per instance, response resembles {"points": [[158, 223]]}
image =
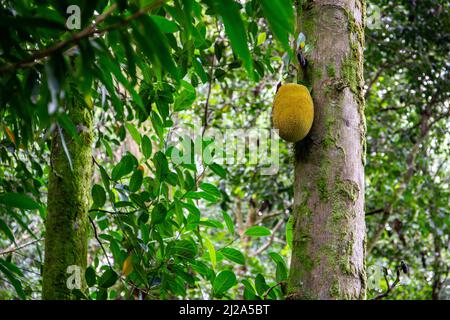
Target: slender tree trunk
{"points": [[329, 230], [68, 203]]}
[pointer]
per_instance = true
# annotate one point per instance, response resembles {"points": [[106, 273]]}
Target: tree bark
{"points": [[329, 229], [67, 208]]}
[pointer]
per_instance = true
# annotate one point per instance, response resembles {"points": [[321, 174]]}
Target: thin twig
{"points": [[20, 247], [390, 287], [375, 211], [99, 242], [208, 95], [112, 212], [271, 288]]}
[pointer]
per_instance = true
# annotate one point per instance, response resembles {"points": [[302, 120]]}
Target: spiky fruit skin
{"points": [[293, 112]]}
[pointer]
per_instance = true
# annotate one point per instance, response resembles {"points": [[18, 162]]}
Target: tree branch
{"points": [[20, 247], [99, 242], [85, 33], [271, 288], [390, 287]]}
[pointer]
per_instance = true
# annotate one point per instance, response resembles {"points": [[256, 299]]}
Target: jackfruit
{"points": [[293, 112]]}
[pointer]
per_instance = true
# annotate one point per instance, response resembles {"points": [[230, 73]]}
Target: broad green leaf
{"points": [[261, 38], [249, 290], [154, 44], [219, 170], [124, 167], [91, 277], [233, 255], [4, 227], [112, 66], [108, 148], [13, 280], [164, 24], [133, 132], [146, 146], [224, 281], [211, 223], [281, 271], [185, 249], [18, 200], [98, 195], [108, 279], [211, 189], [211, 250], [257, 231], [136, 180], [280, 15], [159, 213], [161, 165], [186, 97], [12, 267], [228, 222], [235, 30], [68, 125], [260, 284]]}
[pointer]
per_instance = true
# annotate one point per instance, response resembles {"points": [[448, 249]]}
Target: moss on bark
{"points": [[68, 205]]}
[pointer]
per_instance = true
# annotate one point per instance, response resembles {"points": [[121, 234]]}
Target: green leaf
{"points": [[211, 250], [224, 281], [257, 231], [228, 222], [249, 290], [98, 195], [260, 284], [186, 97], [4, 227], [201, 195], [65, 122], [108, 64], [136, 180], [154, 45], [281, 271], [233, 255], [211, 223], [185, 249], [18, 200], [280, 15], [108, 279], [159, 213], [261, 38], [102, 294], [219, 170], [133, 132], [124, 167], [12, 267], [161, 165], [91, 277], [13, 280], [235, 30], [108, 149], [146, 145], [164, 24], [211, 189]]}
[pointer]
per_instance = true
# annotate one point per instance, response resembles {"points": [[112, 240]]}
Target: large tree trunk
{"points": [[68, 204], [329, 231]]}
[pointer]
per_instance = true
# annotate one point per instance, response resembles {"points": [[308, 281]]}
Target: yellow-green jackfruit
{"points": [[293, 112]]}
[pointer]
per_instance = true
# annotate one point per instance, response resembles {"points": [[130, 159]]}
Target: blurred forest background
{"points": [[215, 63]]}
